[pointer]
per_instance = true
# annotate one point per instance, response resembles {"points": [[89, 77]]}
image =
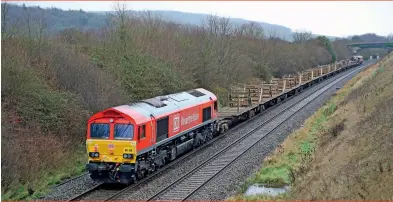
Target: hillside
{"points": [[342, 151], [197, 19], [58, 69], [352, 159], [58, 20]]}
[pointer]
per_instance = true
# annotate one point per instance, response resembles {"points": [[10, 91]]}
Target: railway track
{"points": [[111, 194], [192, 181], [189, 183]]}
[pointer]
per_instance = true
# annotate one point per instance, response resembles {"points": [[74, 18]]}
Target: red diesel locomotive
{"points": [[128, 141]]}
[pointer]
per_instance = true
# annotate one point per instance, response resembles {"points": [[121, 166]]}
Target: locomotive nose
{"points": [[115, 151]]}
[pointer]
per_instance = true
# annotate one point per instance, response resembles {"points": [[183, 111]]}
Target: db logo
{"points": [[111, 146], [176, 123]]}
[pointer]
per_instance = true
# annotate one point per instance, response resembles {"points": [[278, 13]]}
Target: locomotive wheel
{"points": [[197, 144], [208, 135]]}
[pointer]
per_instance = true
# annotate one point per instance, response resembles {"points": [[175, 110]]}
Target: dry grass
{"points": [[340, 152], [357, 163]]}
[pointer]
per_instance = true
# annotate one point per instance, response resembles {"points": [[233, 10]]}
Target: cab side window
{"points": [[142, 132]]}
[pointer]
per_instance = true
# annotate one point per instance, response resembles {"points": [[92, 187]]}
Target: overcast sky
{"points": [[333, 18]]}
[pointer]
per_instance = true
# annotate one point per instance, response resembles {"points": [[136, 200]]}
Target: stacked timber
{"points": [[238, 97], [290, 81], [325, 69], [317, 72], [299, 79], [307, 76], [281, 84], [256, 91], [269, 90]]}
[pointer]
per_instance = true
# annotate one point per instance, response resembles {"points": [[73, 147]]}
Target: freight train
{"points": [[127, 142], [357, 58]]}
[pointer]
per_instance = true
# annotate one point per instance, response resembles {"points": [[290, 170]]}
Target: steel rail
{"points": [[193, 180]]}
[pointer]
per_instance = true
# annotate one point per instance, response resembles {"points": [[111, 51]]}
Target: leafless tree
{"points": [[252, 30], [152, 23], [5, 33], [41, 25], [390, 37], [301, 36], [27, 16], [122, 21]]}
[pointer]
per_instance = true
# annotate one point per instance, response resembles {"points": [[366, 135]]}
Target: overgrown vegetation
{"points": [[328, 47], [340, 152], [52, 82]]}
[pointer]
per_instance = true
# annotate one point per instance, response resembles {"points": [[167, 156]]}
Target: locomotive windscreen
{"points": [[99, 131], [124, 131]]}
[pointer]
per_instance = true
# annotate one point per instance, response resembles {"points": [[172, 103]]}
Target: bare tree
{"points": [[252, 30], [41, 25], [390, 37], [27, 16], [301, 36], [5, 33], [152, 23], [121, 19]]}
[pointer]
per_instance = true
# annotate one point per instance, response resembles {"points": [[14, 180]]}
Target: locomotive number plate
{"points": [[127, 150]]}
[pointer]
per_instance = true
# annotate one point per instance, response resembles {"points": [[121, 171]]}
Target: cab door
{"points": [[145, 135]]}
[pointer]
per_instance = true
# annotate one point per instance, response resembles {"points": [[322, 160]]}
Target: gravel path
{"points": [[243, 167]]}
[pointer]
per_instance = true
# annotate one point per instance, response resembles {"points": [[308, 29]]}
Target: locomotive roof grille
{"points": [[155, 102], [195, 93]]}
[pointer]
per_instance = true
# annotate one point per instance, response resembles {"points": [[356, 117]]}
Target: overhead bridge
{"points": [[357, 46]]}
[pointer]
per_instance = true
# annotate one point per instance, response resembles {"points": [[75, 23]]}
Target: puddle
{"points": [[265, 189]]}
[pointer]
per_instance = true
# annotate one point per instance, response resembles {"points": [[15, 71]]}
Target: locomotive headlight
{"points": [[94, 154], [127, 156]]}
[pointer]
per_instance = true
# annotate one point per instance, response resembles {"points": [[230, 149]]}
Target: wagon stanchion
{"points": [[249, 98], [238, 103]]}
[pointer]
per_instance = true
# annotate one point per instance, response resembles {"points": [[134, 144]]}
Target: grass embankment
{"points": [[46, 96], [343, 150]]}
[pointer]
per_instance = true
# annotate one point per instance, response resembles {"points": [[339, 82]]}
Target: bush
{"points": [[42, 127]]}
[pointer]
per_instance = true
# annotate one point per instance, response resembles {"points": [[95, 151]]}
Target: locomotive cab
{"points": [[127, 142], [111, 147]]}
